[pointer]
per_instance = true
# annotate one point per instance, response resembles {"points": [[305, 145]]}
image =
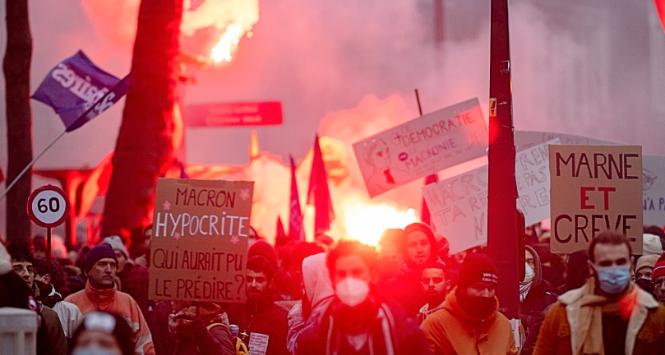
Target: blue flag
{"points": [[79, 91]]}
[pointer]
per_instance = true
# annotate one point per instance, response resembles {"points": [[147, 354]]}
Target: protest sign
{"points": [[458, 205], [526, 139], [234, 114], [653, 171], [422, 146], [533, 182], [594, 189], [458, 208], [199, 245]]}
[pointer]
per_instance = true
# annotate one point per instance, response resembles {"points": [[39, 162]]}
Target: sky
{"points": [[592, 68]]}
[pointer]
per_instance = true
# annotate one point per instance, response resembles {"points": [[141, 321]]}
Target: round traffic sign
{"points": [[47, 206]]}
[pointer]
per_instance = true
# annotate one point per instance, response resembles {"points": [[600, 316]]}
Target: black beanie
{"points": [[99, 252]]}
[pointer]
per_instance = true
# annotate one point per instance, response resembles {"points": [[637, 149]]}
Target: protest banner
{"points": [[199, 246], [594, 189], [422, 146], [653, 171], [234, 114], [526, 139], [458, 209], [458, 205]]}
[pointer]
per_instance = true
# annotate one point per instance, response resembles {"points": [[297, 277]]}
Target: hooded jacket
{"points": [[453, 331], [645, 333], [110, 300], [319, 293]]}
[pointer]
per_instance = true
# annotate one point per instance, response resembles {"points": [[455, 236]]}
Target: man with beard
{"points": [[609, 314], [261, 317], [435, 287], [100, 294], [357, 321], [470, 322]]}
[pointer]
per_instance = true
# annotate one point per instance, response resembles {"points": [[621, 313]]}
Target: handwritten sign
{"points": [[199, 245], [422, 146], [258, 343], [458, 205], [526, 139], [594, 189], [653, 172]]}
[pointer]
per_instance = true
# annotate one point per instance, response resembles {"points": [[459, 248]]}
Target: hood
{"points": [[316, 278], [538, 266]]}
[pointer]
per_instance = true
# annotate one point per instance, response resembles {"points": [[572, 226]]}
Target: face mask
{"points": [[525, 285], [613, 279], [475, 306], [93, 350], [645, 284], [352, 291]]}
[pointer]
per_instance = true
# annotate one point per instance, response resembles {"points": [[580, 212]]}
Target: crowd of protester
{"points": [[406, 296]]}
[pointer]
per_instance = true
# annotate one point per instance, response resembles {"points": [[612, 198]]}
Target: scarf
{"points": [[586, 332], [100, 297]]}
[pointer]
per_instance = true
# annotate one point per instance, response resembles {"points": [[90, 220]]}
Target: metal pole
{"points": [[502, 235]]}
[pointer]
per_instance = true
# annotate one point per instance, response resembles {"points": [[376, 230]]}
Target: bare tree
{"points": [[151, 123], [16, 67]]}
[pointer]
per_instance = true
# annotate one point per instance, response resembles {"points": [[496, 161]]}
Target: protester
{"points": [[655, 230], [68, 313], [390, 257], [318, 293], [50, 335], [470, 322], [651, 245], [261, 315], [200, 328], [418, 248], [144, 258], [644, 270], [103, 333], [658, 278], [609, 314], [100, 294], [133, 278], [358, 321], [535, 296], [435, 287]]}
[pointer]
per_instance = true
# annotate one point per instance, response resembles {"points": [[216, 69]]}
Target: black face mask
{"points": [[477, 307], [645, 284]]}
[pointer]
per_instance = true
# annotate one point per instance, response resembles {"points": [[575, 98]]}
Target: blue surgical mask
{"points": [[613, 279]]}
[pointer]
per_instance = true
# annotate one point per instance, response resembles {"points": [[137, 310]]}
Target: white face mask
{"points": [[529, 274], [352, 291]]}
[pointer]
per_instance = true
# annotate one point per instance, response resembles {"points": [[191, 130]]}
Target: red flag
{"points": [[318, 192], [660, 9], [296, 228], [280, 234], [2, 177], [424, 211]]}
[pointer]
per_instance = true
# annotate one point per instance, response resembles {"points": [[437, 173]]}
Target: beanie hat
{"points": [[99, 252], [651, 244], [658, 269], [477, 268], [646, 261], [263, 249], [117, 244]]}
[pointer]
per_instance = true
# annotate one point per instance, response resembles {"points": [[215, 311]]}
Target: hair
{"points": [[347, 248], [424, 228], [122, 333], [55, 270], [21, 251], [392, 236], [608, 237], [261, 264]]}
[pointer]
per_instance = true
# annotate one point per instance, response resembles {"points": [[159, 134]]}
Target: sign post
{"points": [[47, 207]]}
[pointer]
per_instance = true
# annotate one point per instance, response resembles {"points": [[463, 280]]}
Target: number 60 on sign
{"points": [[47, 206]]}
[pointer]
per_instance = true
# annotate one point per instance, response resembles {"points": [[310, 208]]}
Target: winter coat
{"points": [[646, 325], [263, 317], [197, 339], [50, 336], [113, 301], [389, 333], [134, 282], [452, 331]]}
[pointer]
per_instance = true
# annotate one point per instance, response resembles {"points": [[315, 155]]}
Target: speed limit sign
{"points": [[47, 206]]}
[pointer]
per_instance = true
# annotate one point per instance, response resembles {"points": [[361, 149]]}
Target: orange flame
{"points": [[366, 221], [227, 44]]}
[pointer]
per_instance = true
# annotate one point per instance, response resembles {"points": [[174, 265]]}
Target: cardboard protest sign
{"points": [[594, 189], [532, 176], [653, 171], [458, 205], [198, 249], [458, 208], [422, 146]]}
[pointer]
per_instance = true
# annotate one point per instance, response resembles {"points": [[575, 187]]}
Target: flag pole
{"points": [[420, 108], [32, 162]]}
